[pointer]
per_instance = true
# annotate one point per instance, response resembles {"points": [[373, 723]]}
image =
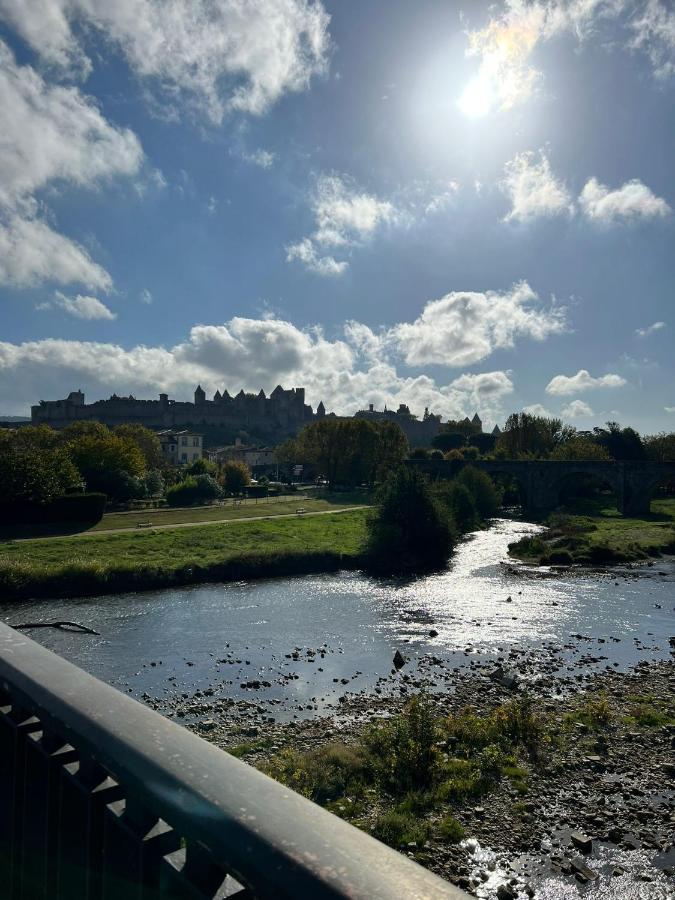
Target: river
{"points": [[161, 644]]}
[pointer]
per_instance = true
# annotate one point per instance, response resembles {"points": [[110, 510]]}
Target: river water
{"points": [[161, 644]]}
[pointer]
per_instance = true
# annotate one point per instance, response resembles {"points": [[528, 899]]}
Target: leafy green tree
{"points": [[470, 452], [620, 443], [460, 502], [392, 449], [660, 447], [35, 437], [82, 429], [202, 467], [580, 448], [146, 440], [482, 489], [526, 435], [235, 477], [154, 483], [194, 489], [419, 453], [409, 528], [348, 451], [105, 459], [35, 475]]}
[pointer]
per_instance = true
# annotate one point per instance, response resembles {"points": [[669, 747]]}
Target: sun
{"points": [[478, 98]]}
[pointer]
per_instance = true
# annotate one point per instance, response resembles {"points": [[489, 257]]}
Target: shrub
{"points": [[559, 556], [397, 829], [81, 508], [449, 829], [404, 750], [409, 529], [459, 501], [321, 775], [482, 489], [193, 490], [235, 476]]}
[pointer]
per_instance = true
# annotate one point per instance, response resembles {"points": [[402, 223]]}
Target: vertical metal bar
{"points": [[15, 725], [45, 755], [85, 790], [134, 843]]}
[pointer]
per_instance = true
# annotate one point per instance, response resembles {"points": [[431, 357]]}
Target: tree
{"points": [[482, 489], [620, 443], [448, 440], [349, 451], [146, 441], [154, 483], [463, 426], [527, 435], [34, 475], [579, 447], [392, 448], [105, 460], [460, 503], [194, 489], [409, 529], [419, 453], [202, 467], [660, 447], [235, 477]]}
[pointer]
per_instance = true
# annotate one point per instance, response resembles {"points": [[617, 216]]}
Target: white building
{"points": [[181, 448]]}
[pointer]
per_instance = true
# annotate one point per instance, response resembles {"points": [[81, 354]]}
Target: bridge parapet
{"points": [[101, 797]]}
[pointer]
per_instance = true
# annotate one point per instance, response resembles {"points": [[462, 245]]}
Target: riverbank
{"points": [[154, 559], [592, 533], [566, 792]]}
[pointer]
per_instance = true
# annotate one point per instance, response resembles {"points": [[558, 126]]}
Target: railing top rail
{"points": [[270, 838]]}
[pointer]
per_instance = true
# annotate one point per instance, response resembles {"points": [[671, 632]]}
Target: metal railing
{"points": [[101, 797]]}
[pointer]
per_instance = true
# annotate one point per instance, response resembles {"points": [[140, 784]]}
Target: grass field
{"points": [[105, 563], [593, 532], [278, 506]]}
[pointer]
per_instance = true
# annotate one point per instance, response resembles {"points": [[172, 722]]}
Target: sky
{"points": [[459, 206]]}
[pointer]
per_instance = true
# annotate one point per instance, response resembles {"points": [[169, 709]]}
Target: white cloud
{"points": [[262, 158], [564, 385], [306, 253], [633, 200], [145, 297], [463, 328], [669, 409], [536, 409], [654, 33], [577, 409], [533, 189], [248, 353], [81, 307], [51, 135], [344, 216], [221, 54], [650, 329]]}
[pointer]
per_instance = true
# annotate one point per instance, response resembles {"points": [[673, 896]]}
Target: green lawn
{"points": [[281, 506], [102, 563], [592, 531]]}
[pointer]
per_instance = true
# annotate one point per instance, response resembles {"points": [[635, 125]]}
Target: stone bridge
{"points": [[542, 481]]}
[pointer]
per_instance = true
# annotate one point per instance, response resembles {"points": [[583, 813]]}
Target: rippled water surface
{"points": [[220, 635]]}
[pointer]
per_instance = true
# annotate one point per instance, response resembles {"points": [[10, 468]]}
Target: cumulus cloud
{"points": [[564, 385], [463, 328], [577, 409], [633, 200], [533, 189], [248, 353], [344, 216], [145, 297], [537, 409], [81, 307], [51, 135], [653, 30], [222, 55], [650, 329]]}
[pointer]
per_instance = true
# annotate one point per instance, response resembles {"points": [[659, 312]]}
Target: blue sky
{"points": [[459, 206]]}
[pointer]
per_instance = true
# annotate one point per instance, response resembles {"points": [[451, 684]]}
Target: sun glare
{"points": [[478, 98]]}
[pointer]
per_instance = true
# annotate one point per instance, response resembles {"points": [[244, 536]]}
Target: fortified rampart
{"points": [[282, 414]]}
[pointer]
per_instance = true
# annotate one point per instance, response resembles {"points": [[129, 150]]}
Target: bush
{"points": [[201, 489], [459, 501], [482, 489], [320, 775], [81, 508], [404, 750], [449, 829], [410, 529], [235, 477], [398, 829]]}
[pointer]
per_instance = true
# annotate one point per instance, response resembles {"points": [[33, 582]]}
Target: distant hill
{"points": [[14, 418]]}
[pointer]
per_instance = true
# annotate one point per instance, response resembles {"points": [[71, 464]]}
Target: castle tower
{"points": [[477, 422], [320, 410], [200, 396]]}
